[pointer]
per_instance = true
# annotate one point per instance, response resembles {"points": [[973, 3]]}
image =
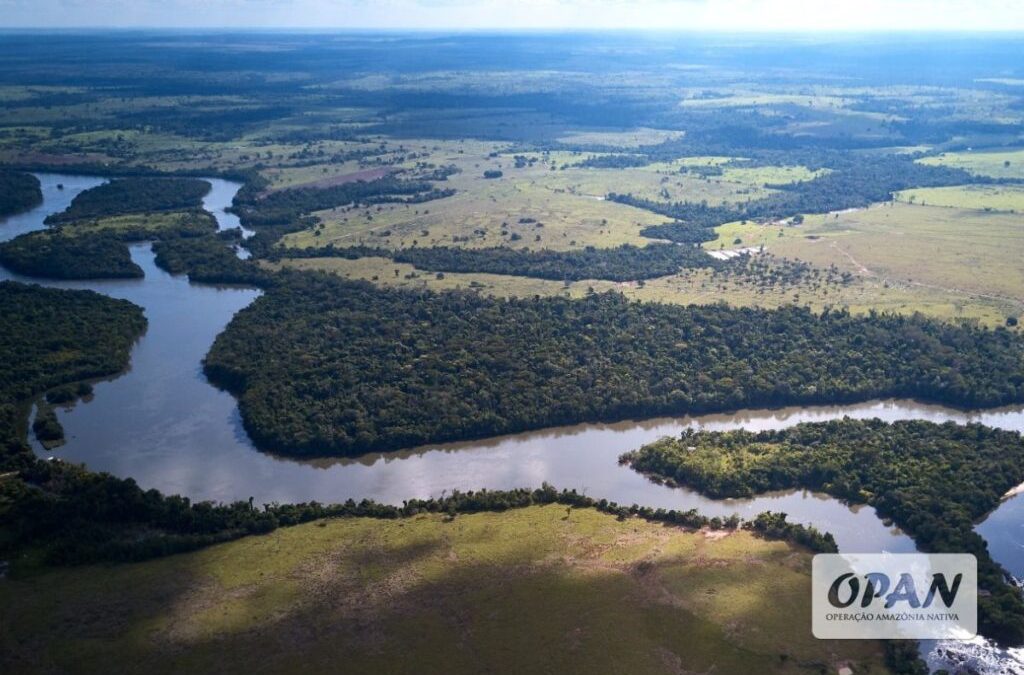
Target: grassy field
{"points": [[1006, 164], [983, 197], [659, 185], [773, 175], [947, 262], [487, 213], [699, 287], [385, 272], [147, 224], [568, 200], [530, 590]]}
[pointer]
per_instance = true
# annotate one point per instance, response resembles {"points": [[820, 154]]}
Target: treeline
{"points": [[934, 481], [326, 366], [285, 207], [65, 514], [86, 249], [210, 259], [51, 338], [95, 521], [19, 191], [622, 263], [853, 182], [773, 525], [696, 214], [134, 195], [680, 232], [57, 255], [612, 161], [139, 227]]}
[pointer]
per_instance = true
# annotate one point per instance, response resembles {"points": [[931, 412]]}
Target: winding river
{"points": [[164, 425]]}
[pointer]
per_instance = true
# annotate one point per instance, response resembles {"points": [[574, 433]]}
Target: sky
{"points": [[717, 15]]}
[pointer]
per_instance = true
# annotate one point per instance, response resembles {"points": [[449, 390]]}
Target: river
{"points": [[164, 425]]}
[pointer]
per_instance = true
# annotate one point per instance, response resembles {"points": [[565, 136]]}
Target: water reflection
{"points": [[165, 426], [162, 424]]}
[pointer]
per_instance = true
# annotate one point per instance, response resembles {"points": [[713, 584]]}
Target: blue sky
{"points": [[743, 15]]}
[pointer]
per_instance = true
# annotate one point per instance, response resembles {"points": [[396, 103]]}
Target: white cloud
{"points": [[743, 15]]}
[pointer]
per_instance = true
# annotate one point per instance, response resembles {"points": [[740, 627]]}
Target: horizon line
{"points": [[522, 29]]}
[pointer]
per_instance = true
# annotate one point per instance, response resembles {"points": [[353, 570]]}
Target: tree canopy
{"points": [[18, 191], [933, 480], [327, 366], [134, 195]]}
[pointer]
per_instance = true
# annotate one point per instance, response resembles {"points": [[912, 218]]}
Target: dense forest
{"points": [[933, 480], [57, 255], [326, 366], [680, 232], [53, 337], [19, 191], [139, 227], [95, 249], [622, 263], [70, 515], [210, 259], [134, 195], [285, 207]]}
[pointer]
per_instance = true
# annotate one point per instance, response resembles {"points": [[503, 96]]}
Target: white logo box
{"points": [[914, 596]]}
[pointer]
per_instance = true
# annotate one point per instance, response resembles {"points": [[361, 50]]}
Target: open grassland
{"points": [[688, 287], [539, 589], [386, 272], [1005, 164], [656, 185], [944, 262], [983, 197], [486, 213], [543, 187], [769, 175], [936, 258]]}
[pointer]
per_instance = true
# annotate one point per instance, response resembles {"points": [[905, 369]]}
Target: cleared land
{"points": [[979, 197], [486, 213], [541, 187], [530, 590], [948, 262], [1005, 164]]}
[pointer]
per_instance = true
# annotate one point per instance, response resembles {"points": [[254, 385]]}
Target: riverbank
{"points": [[571, 590], [165, 426]]}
